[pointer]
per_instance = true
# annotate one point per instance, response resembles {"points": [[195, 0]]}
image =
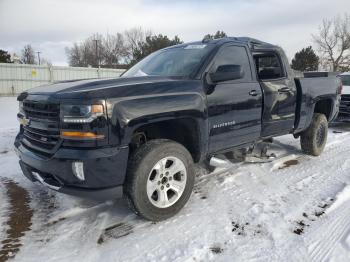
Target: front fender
{"points": [[126, 114]]}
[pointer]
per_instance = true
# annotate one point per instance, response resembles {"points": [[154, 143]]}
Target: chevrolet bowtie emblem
{"points": [[24, 121]]}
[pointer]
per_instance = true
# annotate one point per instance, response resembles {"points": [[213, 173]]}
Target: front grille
{"points": [[41, 135], [39, 110], [344, 109]]}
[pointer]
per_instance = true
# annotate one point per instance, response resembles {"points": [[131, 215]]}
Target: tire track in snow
{"points": [[44, 204], [345, 240], [309, 177], [336, 224], [310, 171], [123, 228], [3, 215], [19, 221], [231, 174], [320, 249]]}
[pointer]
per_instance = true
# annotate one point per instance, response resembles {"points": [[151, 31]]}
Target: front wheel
{"points": [[160, 179], [314, 138]]}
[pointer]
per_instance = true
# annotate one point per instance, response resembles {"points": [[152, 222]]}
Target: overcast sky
{"points": [[51, 25]]}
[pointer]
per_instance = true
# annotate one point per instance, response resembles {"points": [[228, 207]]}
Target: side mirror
{"points": [[226, 73]]}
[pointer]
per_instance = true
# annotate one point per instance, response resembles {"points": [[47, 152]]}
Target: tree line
{"points": [[28, 56], [333, 46], [122, 50], [117, 50]]}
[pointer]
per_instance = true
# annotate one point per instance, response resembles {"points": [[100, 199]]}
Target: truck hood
{"points": [[117, 87]]}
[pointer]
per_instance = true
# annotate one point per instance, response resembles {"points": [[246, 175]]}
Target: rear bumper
{"points": [[104, 170]]}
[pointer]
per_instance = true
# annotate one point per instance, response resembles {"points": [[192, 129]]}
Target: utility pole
{"points": [[96, 52], [331, 65], [38, 57]]}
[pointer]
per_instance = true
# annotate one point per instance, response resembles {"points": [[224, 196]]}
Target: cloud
{"points": [[51, 25]]}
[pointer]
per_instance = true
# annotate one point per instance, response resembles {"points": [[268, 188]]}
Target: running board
{"points": [[255, 154], [218, 162]]}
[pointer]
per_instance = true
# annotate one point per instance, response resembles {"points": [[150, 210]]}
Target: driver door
{"points": [[234, 106]]}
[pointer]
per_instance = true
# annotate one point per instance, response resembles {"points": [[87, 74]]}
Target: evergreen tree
{"points": [[5, 57], [152, 44], [217, 35], [305, 60]]}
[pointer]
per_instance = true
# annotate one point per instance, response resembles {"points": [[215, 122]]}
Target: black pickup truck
{"points": [[139, 135]]}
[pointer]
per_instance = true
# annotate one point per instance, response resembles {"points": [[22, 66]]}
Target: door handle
{"points": [[284, 89], [253, 93]]}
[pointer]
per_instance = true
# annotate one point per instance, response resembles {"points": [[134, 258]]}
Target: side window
{"points": [[268, 66], [233, 55]]}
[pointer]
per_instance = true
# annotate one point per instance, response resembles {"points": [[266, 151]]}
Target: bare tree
{"points": [[333, 41], [83, 54], [98, 50], [117, 50], [28, 55], [46, 62], [113, 49], [135, 37], [74, 56]]}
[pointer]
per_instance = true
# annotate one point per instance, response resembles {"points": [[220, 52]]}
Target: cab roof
{"points": [[251, 42]]}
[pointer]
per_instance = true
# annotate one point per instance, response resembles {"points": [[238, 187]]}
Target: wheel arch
{"points": [[178, 117], [324, 106], [185, 131]]}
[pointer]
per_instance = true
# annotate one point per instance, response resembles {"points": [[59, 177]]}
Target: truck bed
{"points": [[310, 90]]}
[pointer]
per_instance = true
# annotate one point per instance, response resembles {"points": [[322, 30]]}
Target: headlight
{"points": [[81, 113], [20, 107]]}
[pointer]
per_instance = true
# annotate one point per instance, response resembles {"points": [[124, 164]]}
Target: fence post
{"points": [[51, 73]]}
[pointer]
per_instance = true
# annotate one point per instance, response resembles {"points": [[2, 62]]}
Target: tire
{"points": [[152, 169], [314, 138]]}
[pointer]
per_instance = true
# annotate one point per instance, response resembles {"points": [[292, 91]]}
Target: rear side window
{"points": [[233, 55], [268, 66]]}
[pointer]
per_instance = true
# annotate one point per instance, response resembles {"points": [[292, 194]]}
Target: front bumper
{"points": [[344, 111], [104, 170], [343, 118]]}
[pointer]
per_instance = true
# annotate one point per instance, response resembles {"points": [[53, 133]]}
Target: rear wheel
{"points": [[160, 179], [314, 138]]}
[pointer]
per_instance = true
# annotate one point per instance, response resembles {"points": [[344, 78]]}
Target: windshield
{"points": [[178, 61], [345, 80]]}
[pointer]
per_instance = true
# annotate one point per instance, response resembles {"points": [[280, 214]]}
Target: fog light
{"points": [[78, 170]]}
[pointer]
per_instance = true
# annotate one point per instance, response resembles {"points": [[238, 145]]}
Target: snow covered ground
{"points": [[296, 208]]}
